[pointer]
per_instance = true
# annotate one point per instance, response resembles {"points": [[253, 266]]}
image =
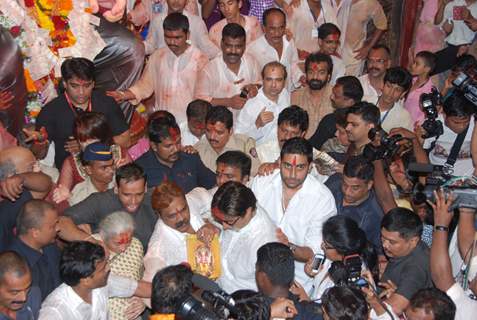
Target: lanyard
{"points": [[73, 108]]}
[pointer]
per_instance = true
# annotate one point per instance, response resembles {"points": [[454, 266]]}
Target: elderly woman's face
{"points": [[120, 242]]}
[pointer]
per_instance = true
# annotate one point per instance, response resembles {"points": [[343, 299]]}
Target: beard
{"points": [[315, 84]]}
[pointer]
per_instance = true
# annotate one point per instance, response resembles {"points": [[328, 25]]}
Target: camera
{"points": [[466, 82], [192, 309], [388, 146], [348, 272], [221, 303], [429, 103]]}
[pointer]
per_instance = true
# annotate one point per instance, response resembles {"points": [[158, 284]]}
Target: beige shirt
{"points": [[252, 27], [172, 79], [237, 141], [198, 35], [396, 117], [316, 111], [83, 190]]}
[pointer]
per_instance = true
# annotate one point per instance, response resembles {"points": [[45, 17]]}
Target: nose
{"points": [[293, 172]]}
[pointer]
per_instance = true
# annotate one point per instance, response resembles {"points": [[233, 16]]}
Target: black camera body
{"points": [[466, 82], [388, 146], [192, 309], [429, 103]]}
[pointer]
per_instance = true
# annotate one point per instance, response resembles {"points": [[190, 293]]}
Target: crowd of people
{"points": [[284, 167]]}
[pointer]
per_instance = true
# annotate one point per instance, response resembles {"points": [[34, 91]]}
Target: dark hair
{"points": [[12, 262], [220, 114], [382, 47], [176, 21], [80, 68], [400, 77], [352, 88], [464, 62], [457, 105], [161, 114], [236, 159], [93, 125], [359, 167], [434, 301], [78, 261], [345, 303], [198, 109], [295, 117], [299, 146], [404, 221], [341, 116], [170, 286], [250, 305], [129, 173], [344, 235], [274, 64], [429, 59], [318, 57], [234, 31], [160, 129], [270, 11], [277, 262], [368, 112], [326, 29], [31, 215], [233, 199]]}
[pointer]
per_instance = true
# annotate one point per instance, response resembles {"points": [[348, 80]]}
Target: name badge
{"points": [[314, 33]]}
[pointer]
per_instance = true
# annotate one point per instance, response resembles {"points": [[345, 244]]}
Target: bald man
{"points": [[18, 299], [18, 184]]}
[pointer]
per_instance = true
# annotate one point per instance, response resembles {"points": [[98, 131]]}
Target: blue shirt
{"points": [[8, 216], [188, 172], [30, 309], [367, 214], [44, 266]]}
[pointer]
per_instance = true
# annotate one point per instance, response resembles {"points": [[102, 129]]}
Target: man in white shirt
{"points": [[379, 60], [194, 128], [168, 243], [457, 118], [231, 77], [199, 36], [87, 285], [219, 138], [246, 228], [171, 72], [274, 46], [397, 83], [258, 118], [297, 203]]}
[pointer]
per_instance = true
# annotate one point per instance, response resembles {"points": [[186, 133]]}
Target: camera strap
{"points": [[452, 158]]}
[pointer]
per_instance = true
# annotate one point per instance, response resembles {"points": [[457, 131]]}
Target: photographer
{"points": [[362, 117], [458, 126], [440, 261]]}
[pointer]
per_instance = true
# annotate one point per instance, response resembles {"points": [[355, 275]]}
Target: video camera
{"points": [[429, 103], [466, 82], [348, 272], [465, 194], [388, 145]]}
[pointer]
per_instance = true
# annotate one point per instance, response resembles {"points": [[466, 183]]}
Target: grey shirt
{"points": [[410, 273], [98, 205]]}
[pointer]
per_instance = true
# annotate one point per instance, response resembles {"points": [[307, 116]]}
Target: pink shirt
{"points": [[252, 28], [412, 101]]}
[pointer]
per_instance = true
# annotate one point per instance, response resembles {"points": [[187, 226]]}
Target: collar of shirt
{"points": [[195, 221], [182, 59], [229, 74], [283, 100], [30, 254], [262, 42]]}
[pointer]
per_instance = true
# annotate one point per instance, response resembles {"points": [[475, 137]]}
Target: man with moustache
{"points": [[168, 244], [379, 60], [315, 97], [18, 299], [230, 78]]}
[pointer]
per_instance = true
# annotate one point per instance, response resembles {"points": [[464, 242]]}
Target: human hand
{"points": [[189, 150], [389, 289], [298, 290], [448, 26], [252, 90], [309, 268], [302, 54], [120, 96], [442, 216], [267, 168], [404, 133], [282, 308], [237, 102], [61, 193], [72, 146], [207, 232], [12, 187], [263, 118], [282, 237], [362, 52], [135, 308], [6, 99]]}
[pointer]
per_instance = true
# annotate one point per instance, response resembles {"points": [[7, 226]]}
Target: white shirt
{"points": [[461, 33], [167, 246], [339, 69], [264, 53], [199, 37], [396, 117], [465, 306], [239, 252], [463, 166], [303, 219], [370, 94], [251, 110], [65, 304], [187, 138]]}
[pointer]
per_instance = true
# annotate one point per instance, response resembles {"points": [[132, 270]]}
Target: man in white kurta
{"points": [[199, 36], [258, 118], [302, 219]]}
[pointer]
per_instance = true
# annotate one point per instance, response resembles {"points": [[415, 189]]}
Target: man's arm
{"points": [[143, 289], [466, 232], [362, 52], [123, 140], [440, 11], [381, 187], [398, 302], [69, 231]]}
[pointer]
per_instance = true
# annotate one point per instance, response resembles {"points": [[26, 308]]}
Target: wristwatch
{"points": [[441, 228]]}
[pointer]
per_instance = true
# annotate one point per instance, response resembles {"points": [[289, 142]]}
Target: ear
{"points": [[116, 189], [240, 4], [370, 184], [88, 170]]}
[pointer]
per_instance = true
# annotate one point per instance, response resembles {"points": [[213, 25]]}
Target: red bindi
{"points": [[124, 238], [314, 67], [334, 37], [294, 161], [174, 133], [217, 213]]}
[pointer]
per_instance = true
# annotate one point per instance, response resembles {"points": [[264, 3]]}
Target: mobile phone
{"points": [[458, 13], [318, 260]]}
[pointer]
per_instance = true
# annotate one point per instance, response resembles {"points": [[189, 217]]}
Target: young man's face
{"points": [[273, 81], [330, 44], [286, 131], [176, 40], [168, 149], [217, 134], [395, 245], [357, 129], [355, 190], [456, 124], [294, 170], [79, 91], [338, 99], [102, 171], [230, 8], [176, 5], [131, 194], [317, 75], [225, 173], [392, 93], [14, 290]]}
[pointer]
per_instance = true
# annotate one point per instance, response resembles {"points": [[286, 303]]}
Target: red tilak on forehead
{"points": [[294, 161], [334, 37], [314, 66], [174, 133], [200, 125], [216, 212], [124, 238]]}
